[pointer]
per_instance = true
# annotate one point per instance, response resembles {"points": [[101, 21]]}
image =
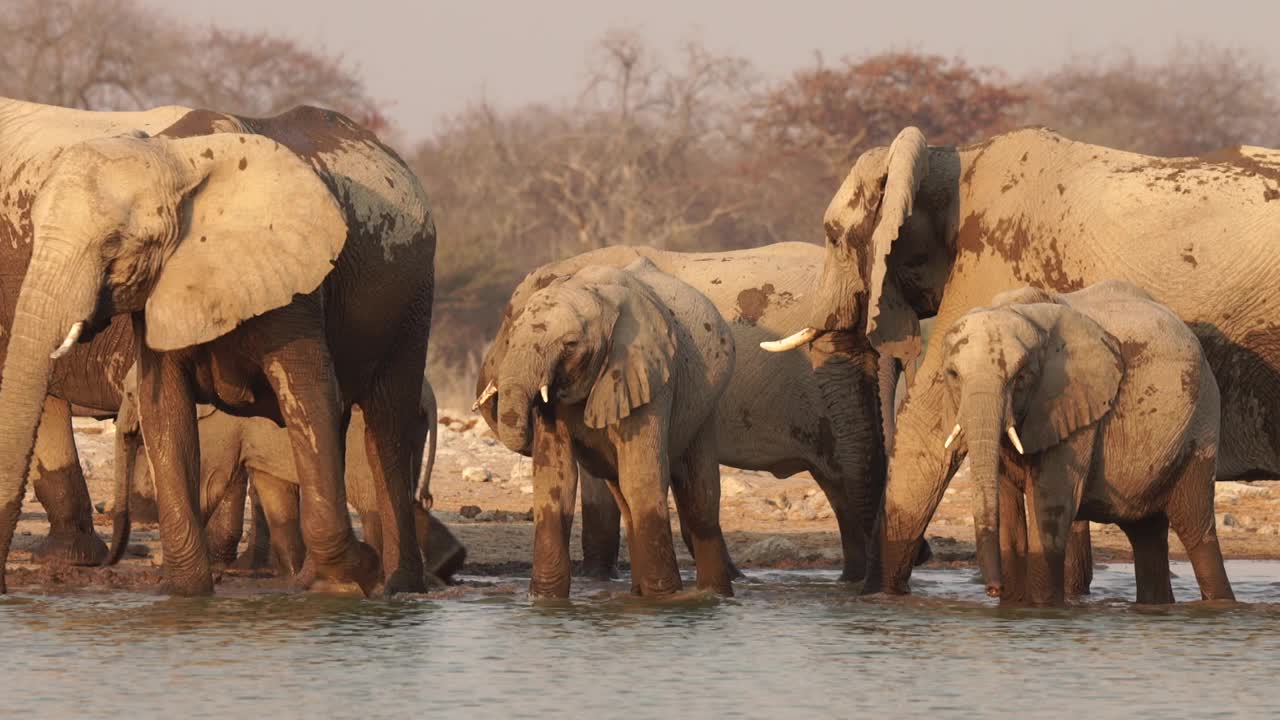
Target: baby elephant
{"points": [[620, 370], [233, 448], [1097, 405]]}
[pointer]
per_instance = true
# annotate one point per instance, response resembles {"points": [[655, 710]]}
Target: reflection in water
{"points": [[792, 643]]}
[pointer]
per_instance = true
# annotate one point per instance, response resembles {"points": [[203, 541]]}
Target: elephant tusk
{"points": [[546, 396], [72, 336], [791, 342], [1017, 442], [955, 433], [489, 391]]}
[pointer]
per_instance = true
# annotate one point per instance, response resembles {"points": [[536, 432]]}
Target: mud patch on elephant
{"points": [[754, 302]]}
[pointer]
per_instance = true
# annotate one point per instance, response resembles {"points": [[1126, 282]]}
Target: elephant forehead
{"points": [[563, 299]]}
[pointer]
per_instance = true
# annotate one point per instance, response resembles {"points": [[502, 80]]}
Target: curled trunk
{"points": [[60, 289], [519, 384]]}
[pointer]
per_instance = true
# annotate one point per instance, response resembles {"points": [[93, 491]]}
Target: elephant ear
{"points": [[258, 226], [892, 324], [1080, 374], [642, 345]]}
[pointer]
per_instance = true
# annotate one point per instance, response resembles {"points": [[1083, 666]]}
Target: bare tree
{"points": [[93, 54], [1197, 99], [121, 55]]}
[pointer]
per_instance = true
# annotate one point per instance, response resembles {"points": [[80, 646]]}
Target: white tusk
{"points": [[791, 342], [955, 433], [489, 391], [72, 336], [546, 397], [1017, 443]]}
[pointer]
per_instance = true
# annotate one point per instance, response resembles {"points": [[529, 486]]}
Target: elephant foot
{"points": [[450, 566], [71, 547], [924, 553], [188, 584], [600, 569], [551, 589], [404, 581], [662, 587], [361, 565]]}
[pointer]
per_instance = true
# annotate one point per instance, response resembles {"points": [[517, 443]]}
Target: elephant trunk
{"points": [[918, 474], [982, 419], [128, 445], [59, 292], [523, 378]]}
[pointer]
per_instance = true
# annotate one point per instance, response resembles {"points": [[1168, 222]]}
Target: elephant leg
{"points": [[442, 554], [644, 477], [696, 484], [601, 521], [1013, 544], [1150, 540], [1079, 572], [280, 510], [302, 375], [167, 416], [257, 552], [61, 489], [555, 486], [1190, 513], [371, 529], [224, 524]]}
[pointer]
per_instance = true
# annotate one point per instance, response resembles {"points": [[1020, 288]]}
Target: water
{"points": [[792, 644]]}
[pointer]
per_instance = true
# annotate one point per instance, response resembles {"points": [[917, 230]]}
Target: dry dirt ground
{"points": [[484, 492]]}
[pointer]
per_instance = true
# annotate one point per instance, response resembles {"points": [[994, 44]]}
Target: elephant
{"points": [[1098, 405], [294, 310], [920, 231], [234, 449], [777, 414], [620, 370], [86, 381]]}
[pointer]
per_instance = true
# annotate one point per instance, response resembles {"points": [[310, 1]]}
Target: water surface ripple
{"points": [[791, 644]]}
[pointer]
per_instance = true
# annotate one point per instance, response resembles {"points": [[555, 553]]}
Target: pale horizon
{"points": [[428, 61]]}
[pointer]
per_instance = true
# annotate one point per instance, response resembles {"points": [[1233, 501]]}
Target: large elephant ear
{"points": [[258, 226], [892, 324], [1080, 373], [642, 344]]}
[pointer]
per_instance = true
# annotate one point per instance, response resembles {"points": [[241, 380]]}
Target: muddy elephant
{"points": [[918, 231], [278, 267], [86, 381], [1098, 405], [236, 451], [619, 370], [778, 414]]}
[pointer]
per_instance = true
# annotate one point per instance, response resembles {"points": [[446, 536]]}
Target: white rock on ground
{"points": [[477, 475]]}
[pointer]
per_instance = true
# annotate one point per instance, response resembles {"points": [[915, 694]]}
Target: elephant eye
{"points": [[951, 373]]}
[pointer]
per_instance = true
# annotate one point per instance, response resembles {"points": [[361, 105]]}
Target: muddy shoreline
{"points": [[484, 492]]}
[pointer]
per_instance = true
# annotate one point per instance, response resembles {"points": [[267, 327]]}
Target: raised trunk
{"points": [[918, 475], [982, 422], [60, 289]]}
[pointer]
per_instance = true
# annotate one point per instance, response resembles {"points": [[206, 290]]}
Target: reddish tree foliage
{"points": [[841, 111]]}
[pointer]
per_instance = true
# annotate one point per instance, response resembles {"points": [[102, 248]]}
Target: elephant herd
{"points": [[252, 298]]}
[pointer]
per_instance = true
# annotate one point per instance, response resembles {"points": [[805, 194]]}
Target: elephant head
{"points": [[864, 288], [196, 235], [1029, 370], [599, 337]]}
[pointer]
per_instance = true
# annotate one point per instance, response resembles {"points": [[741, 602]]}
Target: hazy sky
{"points": [[429, 58]]}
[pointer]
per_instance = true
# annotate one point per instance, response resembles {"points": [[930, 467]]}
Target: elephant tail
{"points": [[431, 412]]}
